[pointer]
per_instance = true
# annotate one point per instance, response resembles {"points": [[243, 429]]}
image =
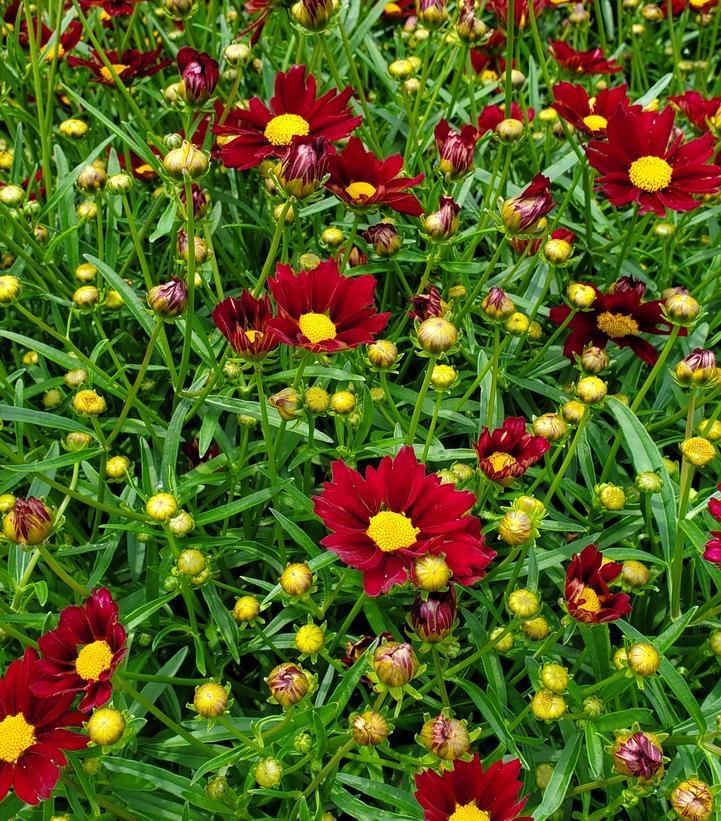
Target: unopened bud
{"points": [[288, 684], [515, 527], [698, 451], [445, 737], [395, 663], [437, 335], [591, 390], [296, 579], [548, 706], [210, 700], [554, 677], [550, 426], [643, 659], [524, 603]]}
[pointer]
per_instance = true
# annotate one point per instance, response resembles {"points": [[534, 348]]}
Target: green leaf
{"points": [[239, 505], [555, 793], [131, 299], [398, 799], [9, 413]]}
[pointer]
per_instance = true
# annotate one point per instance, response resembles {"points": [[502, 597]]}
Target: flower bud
{"points": [[400, 69], [573, 412], [116, 467], [698, 368], [303, 167], [237, 54], [526, 212], [548, 706], [309, 639], [384, 238], [268, 773], [169, 299], [516, 527], [332, 237], [442, 224], [497, 305], [693, 799], [510, 130], [246, 609], [28, 521], [536, 629], [432, 13], [581, 295], [91, 179], [288, 684], [180, 9], [210, 700], [86, 297], [649, 482], [611, 497], [634, 573], [682, 309], [369, 728], [199, 75], [442, 377], [161, 506], [88, 403], [52, 399], [191, 562], [73, 128], [593, 706], [106, 726], [502, 639], [343, 402], [698, 451], [181, 524], [10, 288], [77, 440], [286, 402], [437, 335], [119, 183], [594, 360], [395, 663], [620, 660], [382, 354], [543, 775], [75, 378], [11, 195], [216, 788], [550, 426], [591, 390], [557, 251], [638, 755], [200, 250], [87, 210], [554, 677], [710, 430], [433, 617], [185, 160], [289, 213], [643, 659], [313, 15], [296, 579], [317, 400], [524, 603], [445, 737], [86, 272], [431, 572]]}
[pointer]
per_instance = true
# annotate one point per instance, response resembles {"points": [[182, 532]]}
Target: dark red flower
{"points": [[638, 755], [492, 115], [433, 615], [485, 795], [618, 316], [521, 13], [128, 66], [32, 734], [324, 311], [191, 449], [713, 546], [81, 654], [455, 149], [424, 306], [294, 111], [113, 8], [588, 114], [304, 166], [522, 214], [67, 41], [586, 591], [140, 167], [582, 62], [642, 161], [508, 452], [488, 59], [199, 75], [245, 323], [399, 10], [359, 178], [701, 113], [382, 521], [519, 244]]}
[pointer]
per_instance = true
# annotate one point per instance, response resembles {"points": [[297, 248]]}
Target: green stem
{"points": [[494, 374], [273, 250], [419, 401], [569, 456], [432, 426], [265, 425]]}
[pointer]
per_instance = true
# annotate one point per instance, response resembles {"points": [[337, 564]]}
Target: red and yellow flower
{"points": [[127, 66], [521, 11], [713, 546], [245, 323], [492, 115], [586, 592], [702, 113], [508, 452], [382, 521], [588, 114], [199, 75], [455, 149], [582, 62]]}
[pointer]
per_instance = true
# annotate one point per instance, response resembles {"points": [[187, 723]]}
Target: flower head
{"points": [[586, 591], [303, 167], [293, 111], [384, 238], [81, 654], [508, 452], [638, 755], [245, 323], [433, 617], [127, 66], [713, 546], [693, 799], [29, 521], [470, 793], [169, 299], [424, 306], [582, 62], [492, 115], [642, 161], [360, 179], [199, 75], [324, 311], [521, 13], [522, 214], [113, 8], [455, 149], [383, 520], [588, 114], [701, 113]]}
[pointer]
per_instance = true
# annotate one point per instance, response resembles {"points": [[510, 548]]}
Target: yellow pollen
{"points": [[500, 460], [617, 325], [94, 659], [595, 122], [650, 173], [360, 190], [391, 8], [316, 327], [145, 170], [254, 336], [469, 812], [281, 129], [392, 531], [591, 603], [16, 736], [118, 68], [51, 52]]}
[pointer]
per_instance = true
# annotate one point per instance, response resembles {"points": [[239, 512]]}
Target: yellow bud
{"points": [[161, 506], [643, 658], [309, 639], [106, 726], [524, 603], [210, 700], [548, 706], [554, 677], [698, 451], [246, 609]]}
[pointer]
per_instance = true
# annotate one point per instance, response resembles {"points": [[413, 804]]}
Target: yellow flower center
{"points": [[617, 325], [392, 531], [500, 460], [118, 68], [650, 173], [254, 335], [281, 129], [59, 50], [394, 8], [94, 659], [595, 122], [16, 735], [591, 603], [145, 170], [317, 327], [469, 812], [360, 190]]}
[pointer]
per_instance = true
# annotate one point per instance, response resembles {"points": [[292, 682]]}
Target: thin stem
{"points": [[273, 250], [419, 401]]}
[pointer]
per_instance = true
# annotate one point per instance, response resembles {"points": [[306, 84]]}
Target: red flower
{"points": [[588, 114], [114, 8], [523, 213], [508, 452], [32, 738], [359, 178], [489, 57], [424, 306], [582, 62], [294, 111], [260, 11], [128, 66], [618, 316], [386, 519], [586, 592], [199, 75], [520, 13], [713, 546], [67, 41], [399, 10], [323, 311], [455, 149], [699, 112], [492, 115], [519, 244], [245, 323], [81, 654], [643, 162], [483, 794]]}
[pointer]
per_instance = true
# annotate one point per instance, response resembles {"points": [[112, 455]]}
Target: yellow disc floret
{"points": [[281, 129], [317, 327], [591, 602], [360, 190], [94, 659], [392, 531], [595, 122], [16, 736], [118, 68], [650, 173], [617, 325], [469, 812], [500, 460]]}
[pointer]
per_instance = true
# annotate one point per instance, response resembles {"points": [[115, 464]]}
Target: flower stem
{"points": [[273, 250], [419, 401], [569, 456]]}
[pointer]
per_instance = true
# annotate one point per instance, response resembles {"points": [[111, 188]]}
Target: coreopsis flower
{"points": [[314, 15], [618, 316], [586, 591], [303, 167], [445, 737], [523, 213], [588, 114], [32, 732], [638, 755], [492, 115], [199, 75], [442, 224], [693, 799], [433, 617], [382, 521], [169, 299], [288, 684], [425, 306], [384, 238], [700, 112], [127, 66], [469, 28], [582, 62], [245, 323], [713, 546], [697, 368], [642, 161], [293, 111], [521, 13], [29, 521], [455, 149], [113, 8], [432, 13], [470, 793], [360, 179], [507, 452], [322, 310], [64, 44], [398, 10], [81, 654], [488, 59]]}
